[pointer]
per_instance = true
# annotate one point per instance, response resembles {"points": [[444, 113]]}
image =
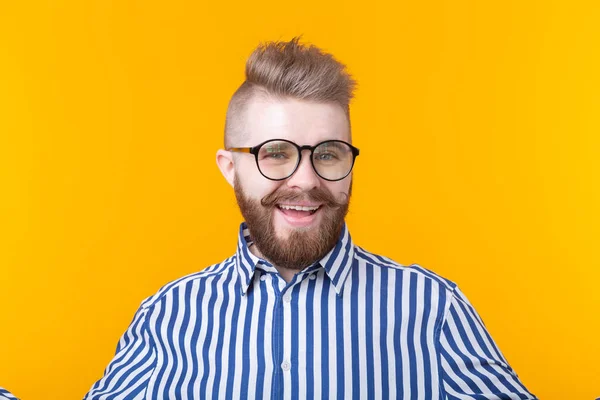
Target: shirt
{"points": [[6, 395], [354, 325]]}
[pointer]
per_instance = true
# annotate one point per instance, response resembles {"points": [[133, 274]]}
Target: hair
{"points": [[289, 70]]}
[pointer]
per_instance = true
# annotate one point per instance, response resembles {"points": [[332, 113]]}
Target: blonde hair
{"points": [[289, 70]]}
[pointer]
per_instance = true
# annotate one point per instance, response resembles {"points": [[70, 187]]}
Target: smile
{"points": [[288, 207], [299, 216]]}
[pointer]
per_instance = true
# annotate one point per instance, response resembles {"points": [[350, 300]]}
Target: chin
{"points": [[284, 232]]}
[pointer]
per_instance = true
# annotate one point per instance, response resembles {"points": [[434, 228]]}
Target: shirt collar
{"points": [[337, 263]]}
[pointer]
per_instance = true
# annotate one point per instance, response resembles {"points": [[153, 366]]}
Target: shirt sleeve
{"points": [[127, 375], [6, 395], [472, 364]]}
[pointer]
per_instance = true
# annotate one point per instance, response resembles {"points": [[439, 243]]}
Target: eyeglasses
{"points": [[278, 159]]}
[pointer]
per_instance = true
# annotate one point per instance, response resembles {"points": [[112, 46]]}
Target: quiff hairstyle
{"points": [[288, 70]]}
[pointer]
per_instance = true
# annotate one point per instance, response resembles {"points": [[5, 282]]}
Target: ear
{"points": [[225, 164]]}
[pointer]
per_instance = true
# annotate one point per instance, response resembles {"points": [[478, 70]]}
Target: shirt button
{"points": [[263, 278], [287, 298], [286, 366], [312, 277]]}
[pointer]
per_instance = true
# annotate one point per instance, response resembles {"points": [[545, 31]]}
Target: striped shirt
{"points": [[354, 325], [6, 395]]}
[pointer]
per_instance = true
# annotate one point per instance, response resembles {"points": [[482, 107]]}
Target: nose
{"points": [[305, 177]]}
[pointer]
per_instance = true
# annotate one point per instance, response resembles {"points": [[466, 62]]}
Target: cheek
{"points": [[254, 184], [340, 188], [261, 188]]}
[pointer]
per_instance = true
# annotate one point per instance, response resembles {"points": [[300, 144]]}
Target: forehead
{"points": [[303, 122]]}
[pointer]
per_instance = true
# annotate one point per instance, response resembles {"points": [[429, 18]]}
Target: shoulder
{"points": [[172, 287], [414, 270], [6, 395]]}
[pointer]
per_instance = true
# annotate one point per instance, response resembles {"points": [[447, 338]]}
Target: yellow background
{"points": [[478, 127]]}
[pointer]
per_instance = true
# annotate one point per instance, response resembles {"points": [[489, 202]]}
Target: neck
{"points": [[286, 273]]}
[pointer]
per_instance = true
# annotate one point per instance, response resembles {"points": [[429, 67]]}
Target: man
{"points": [[299, 311]]}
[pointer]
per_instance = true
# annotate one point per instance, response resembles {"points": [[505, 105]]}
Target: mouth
{"points": [[298, 210], [299, 216]]}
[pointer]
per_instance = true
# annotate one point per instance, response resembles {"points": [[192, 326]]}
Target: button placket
{"points": [[286, 364]]}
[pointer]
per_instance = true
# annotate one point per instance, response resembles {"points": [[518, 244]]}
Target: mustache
{"points": [[315, 195]]}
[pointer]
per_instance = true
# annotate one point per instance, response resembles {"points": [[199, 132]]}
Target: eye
{"points": [[276, 152], [326, 156], [276, 156]]}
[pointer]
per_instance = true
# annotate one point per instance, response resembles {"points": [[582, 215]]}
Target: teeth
{"points": [[299, 208]]}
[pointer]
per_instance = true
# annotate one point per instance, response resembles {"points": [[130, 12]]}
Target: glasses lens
{"points": [[333, 160], [277, 159]]}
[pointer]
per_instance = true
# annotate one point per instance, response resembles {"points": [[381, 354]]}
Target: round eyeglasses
{"points": [[278, 159]]}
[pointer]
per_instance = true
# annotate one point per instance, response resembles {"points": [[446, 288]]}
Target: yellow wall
{"points": [[478, 126]]}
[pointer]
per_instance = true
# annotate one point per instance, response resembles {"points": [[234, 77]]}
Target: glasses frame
{"points": [[255, 150]]}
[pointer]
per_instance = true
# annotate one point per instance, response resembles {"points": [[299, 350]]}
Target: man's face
{"points": [[286, 236]]}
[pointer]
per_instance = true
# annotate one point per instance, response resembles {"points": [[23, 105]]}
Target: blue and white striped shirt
{"points": [[6, 395], [354, 325]]}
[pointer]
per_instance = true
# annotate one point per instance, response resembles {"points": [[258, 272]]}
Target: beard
{"points": [[302, 247]]}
